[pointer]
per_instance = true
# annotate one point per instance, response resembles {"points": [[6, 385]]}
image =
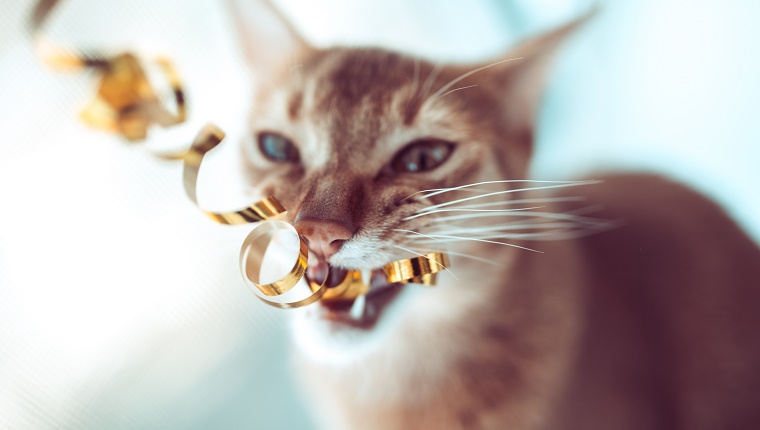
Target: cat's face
{"points": [[352, 136], [347, 138]]}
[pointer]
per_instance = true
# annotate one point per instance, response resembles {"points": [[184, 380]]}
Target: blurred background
{"points": [[121, 306]]}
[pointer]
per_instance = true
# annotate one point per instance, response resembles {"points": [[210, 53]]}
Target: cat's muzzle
{"points": [[274, 257]]}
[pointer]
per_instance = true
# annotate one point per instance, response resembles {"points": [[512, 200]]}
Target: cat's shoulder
{"points": [[660, 205], [663, 229]]}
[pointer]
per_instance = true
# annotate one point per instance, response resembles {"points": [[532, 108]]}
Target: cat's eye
{"points": [[277, 148], [422, 155]]}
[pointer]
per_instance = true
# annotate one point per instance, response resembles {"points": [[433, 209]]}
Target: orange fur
{"points": [[648, 325]]}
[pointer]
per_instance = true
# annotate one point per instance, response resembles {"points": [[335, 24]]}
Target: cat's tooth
{"points": [[367, 276], [357, 309]]}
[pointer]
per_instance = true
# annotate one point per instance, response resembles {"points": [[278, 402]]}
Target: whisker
{"points": [[458, 254], [463, 209], [474, 240], [385, 254], [505, 227], [496, 193], [587, 209], [520, 201], [540, 236], [416, 81], [465, 75], [550, 215], [436, 191], [431, 78], [419, 234]]}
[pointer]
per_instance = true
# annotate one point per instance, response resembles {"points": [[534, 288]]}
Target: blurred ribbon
{"points": [[127, 102]]}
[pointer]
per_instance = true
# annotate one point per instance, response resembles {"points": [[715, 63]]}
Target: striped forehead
{"points": [[351, 98]]}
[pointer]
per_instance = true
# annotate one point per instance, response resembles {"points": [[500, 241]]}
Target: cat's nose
{"points": [[324, 237]]}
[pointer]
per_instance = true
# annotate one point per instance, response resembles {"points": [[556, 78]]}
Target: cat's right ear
{"points": [[268, 40]]}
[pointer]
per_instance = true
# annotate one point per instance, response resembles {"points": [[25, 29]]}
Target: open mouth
{"points": [[347, 300]]}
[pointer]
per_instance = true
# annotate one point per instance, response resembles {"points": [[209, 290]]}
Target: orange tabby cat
{"points": [[650, 323]]}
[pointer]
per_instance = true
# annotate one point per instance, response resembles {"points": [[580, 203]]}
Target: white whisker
{"points": [[385, 254], [416, 81], [549, 215], [436, 191], [587, 209], [520, 201], [540, 236], [458, 254], [505, 227], [456, 89], [496, 193], [431, 78], [471, 239], [462, 209]]}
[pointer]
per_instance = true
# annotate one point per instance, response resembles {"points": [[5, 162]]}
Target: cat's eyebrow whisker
{"points": [[455, 89], [453, 82], [428, 258], [431, 78], [472, 239], [416, 79]]}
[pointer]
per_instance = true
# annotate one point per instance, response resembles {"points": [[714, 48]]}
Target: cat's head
{"points": [[347, 138]]}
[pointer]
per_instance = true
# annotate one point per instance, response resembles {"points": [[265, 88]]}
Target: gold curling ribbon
{"points": [[126, 102], [290, 291], [207, 139], [350, 288], [418, 270]]}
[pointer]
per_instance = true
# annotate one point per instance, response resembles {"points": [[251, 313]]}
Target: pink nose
{"points": [[325, 237]]}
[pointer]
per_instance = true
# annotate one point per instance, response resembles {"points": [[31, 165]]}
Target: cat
{"points": [[643, 313]]}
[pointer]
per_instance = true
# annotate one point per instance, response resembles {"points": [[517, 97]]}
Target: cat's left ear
{"points": [[521, 79], [268, 40]]}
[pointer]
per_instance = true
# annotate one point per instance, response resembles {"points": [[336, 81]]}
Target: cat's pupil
{"points": [[277, 148], [423, 155]]}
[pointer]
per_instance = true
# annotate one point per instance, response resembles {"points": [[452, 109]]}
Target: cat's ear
{"points": [[523, 76], [268, 40]]}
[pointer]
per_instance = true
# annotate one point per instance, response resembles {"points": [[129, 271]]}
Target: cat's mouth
{"points": [[360, 312]]}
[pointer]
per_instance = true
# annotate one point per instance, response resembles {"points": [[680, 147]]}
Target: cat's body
{"points": [[648, 324], [652, 325]]}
